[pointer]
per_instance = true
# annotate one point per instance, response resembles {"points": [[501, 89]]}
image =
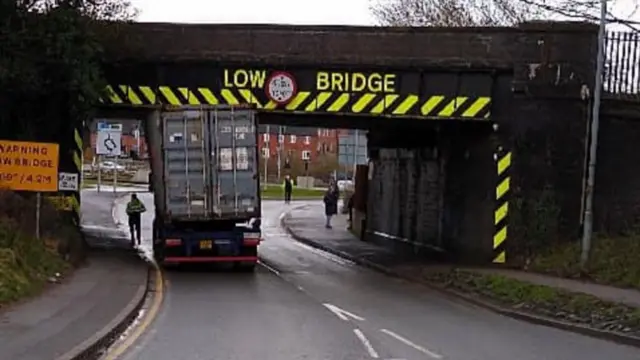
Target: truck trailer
{"points": [[206, 185]]}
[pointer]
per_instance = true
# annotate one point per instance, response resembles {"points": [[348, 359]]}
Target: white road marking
{"points": [[409, 343], [269, 268], [367, 345], [342, 314]]}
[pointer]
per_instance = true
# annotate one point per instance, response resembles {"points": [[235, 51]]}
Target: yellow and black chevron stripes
{"points": [[77, 161], [502, 207], [434, 106]]}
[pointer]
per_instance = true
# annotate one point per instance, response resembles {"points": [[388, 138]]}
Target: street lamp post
{"points": [[587, 231]]}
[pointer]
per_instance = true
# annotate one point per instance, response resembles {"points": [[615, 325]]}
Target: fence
{"points": [[622, 64]]}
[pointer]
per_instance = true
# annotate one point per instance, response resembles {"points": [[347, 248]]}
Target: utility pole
{"points": [[587, 231], [266, 155]]}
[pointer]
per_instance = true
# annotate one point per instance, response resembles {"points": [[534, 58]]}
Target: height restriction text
{"points": [[29, 166]]}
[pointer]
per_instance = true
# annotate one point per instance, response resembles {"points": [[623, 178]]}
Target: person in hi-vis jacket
{"points": [[135, 208]]}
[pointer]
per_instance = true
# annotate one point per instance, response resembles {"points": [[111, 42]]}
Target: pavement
{"points": [[306, 225], [88, 306], [304, 303]]}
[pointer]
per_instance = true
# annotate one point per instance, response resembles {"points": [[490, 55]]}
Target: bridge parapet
{"points": [[489, 47]]}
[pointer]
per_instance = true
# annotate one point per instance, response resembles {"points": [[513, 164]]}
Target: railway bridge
{"points": [[471, 130]]}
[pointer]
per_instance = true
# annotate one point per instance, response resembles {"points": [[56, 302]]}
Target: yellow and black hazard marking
{"points": [[77, 161], [501, 213], [433, 106]]}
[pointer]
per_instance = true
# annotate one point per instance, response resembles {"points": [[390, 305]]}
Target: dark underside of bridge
{"points": [[462, 121]]}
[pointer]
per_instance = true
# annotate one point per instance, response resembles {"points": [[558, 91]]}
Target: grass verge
{"points": [[613, 261], [27, 263], [277, 192], [541, 300]]}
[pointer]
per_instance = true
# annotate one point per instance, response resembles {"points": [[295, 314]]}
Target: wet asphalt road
{"points": [[283, 312]]}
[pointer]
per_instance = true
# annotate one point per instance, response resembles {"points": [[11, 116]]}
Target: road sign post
{"points": [[115, 175], [99, 172], [38, 211]]}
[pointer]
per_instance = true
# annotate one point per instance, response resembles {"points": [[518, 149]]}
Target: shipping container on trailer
{"points": [[207, 190]]}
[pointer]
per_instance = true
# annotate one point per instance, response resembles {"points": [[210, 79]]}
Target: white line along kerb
{"points": [[342, 314], [411, 344], [367, 345]]}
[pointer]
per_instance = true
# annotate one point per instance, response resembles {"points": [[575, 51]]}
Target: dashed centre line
{"points": [[367, 345], [411, 344]]}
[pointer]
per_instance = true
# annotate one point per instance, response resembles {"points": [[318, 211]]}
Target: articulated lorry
{"points": [[205, 180]]}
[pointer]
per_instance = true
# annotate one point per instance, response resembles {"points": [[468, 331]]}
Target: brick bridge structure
{"points": [[478, 136]]}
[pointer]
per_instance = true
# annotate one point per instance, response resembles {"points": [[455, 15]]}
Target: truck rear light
{"points": [[251, 239], [173, 242]]}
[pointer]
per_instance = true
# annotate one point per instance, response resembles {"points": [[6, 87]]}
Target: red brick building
{"points": [[296, 147], [300, 148]]}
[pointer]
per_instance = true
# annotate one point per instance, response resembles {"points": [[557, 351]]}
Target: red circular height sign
{"points": [[281, 87]]}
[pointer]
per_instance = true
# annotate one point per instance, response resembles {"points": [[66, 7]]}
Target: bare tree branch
{"points": [[490, 12]]}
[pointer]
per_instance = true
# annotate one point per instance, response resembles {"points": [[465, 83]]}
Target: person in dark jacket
{"points": [[331, 197], [135, 208], [288, 188]]}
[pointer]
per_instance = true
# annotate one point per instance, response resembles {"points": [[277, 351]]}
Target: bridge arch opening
{"points": [[430, 184]]}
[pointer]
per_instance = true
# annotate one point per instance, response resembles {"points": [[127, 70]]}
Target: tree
{"points": [[489, 12], [448, 12], [50, 64]]}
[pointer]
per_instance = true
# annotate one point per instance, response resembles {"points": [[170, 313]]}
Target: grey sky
{"points": [[343, 12], [339, 12]]}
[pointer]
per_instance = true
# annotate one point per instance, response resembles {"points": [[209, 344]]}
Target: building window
{"points": [[265, 137], [292, 139], [265, 152], [307, 140], [281, 139], [306, 155]]}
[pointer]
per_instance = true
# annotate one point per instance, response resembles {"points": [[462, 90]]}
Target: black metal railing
{"points": [[622, 64]]}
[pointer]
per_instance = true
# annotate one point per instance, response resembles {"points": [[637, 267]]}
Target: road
{"points": [[307, 304]]}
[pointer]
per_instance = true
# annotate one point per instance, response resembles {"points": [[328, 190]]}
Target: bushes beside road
{"points": [[542, 300], [613, 261], [26, 263]]}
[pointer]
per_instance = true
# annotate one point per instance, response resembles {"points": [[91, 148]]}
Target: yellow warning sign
{"points": [[29, 166]]}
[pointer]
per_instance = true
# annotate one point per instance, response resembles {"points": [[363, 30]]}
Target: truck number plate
{"points": [[206, 244]]}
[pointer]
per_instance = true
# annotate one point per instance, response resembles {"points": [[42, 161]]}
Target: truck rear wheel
{"points": [[158, 246]]}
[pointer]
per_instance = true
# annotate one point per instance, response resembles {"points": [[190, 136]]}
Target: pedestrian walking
{"points": [[288, 188], [135, 208], [331, 197]]}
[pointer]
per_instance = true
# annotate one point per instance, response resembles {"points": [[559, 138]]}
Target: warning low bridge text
{"points": [[28, 166]]}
